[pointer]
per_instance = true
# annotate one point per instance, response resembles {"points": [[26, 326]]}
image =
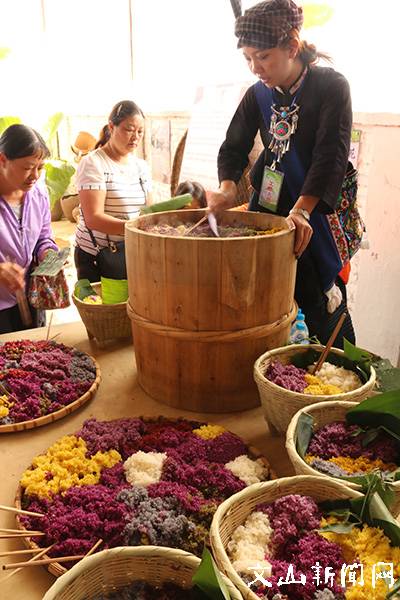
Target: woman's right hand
{"points": [[224, 198], [12, 276]]}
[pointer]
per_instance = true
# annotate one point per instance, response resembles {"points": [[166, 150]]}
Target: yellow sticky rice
{"points": [[209, 432], [317, 388], [367, 546], [5, 405], [65, 465]]}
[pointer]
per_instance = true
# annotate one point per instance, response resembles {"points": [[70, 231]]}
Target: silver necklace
{"points": [[283, 125]]}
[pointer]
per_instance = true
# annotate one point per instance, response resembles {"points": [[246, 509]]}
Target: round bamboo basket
{"points": [[235, 510], [111, 570], [196, 348], [58, 414], [280, 404], [59, 569], [324, 413], [104, 322]]}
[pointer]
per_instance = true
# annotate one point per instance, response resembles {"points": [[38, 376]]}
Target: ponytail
{"points": [[308, 53], [104, 137]]}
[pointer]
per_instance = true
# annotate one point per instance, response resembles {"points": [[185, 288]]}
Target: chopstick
{"points": [[44, 561], [34, 558], [196, 225], [329, 345], [19, 511], [24, 311]]}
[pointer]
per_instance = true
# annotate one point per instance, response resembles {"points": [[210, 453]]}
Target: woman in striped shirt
{"points": [[113, 185]]}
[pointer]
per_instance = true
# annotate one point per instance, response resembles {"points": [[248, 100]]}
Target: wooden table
{"points": [[119, 395]]}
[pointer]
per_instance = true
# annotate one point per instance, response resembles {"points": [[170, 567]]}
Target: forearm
{"points": [[229, 191], [105, 223], [307, 202]]}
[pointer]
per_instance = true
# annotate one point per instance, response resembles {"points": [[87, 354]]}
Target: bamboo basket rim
{"points": [[130, 226], [94, 307], [147, 552], [223, 561], [61, 412], [292, 349], [295, 457], [57, 569]]}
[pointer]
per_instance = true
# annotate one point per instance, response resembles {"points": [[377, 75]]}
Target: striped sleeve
{"points": [[90, 174]]}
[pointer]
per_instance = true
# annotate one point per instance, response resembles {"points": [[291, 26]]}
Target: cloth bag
{"points": [[48, 292]]}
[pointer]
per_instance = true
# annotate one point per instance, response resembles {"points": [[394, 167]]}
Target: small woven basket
{"points": [[324, 413], [235, 510], [110, 570], [280, 404], [104, 322]]}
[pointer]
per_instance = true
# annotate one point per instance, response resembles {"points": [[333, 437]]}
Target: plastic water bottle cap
{"points": [[301, 317], [301, 326]]}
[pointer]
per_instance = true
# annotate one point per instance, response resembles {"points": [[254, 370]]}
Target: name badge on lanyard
{"points": [[270, 188]]}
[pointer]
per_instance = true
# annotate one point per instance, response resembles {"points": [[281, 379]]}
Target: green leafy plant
{"points": [[4, 52], [7, 121]]}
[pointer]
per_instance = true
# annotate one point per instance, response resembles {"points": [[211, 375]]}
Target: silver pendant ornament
{"points": [[283, 125]]}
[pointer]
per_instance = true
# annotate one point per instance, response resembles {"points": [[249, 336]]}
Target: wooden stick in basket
{"points": [[20, 531], [19, 511], [195, 225], [329, 345], [44, 561], [8, 536], [18, 552], [94, 547], [31, 559]]}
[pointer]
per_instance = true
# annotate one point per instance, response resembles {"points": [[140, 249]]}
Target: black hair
{"points": [[18, 141], [196, 190], [122, 110], [308, 53]]}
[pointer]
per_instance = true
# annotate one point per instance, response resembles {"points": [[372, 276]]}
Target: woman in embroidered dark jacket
{"points": [[316, 163]]}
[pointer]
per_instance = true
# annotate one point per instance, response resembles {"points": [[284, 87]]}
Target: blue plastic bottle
{"points": [[299, 331]]}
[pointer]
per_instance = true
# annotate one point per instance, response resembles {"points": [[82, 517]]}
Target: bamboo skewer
{"points": [[44, 561], [19, 552], [31, 559], [94, 547], [196, 225], [8, 536], [48, 327], [19, 531], [329, 345], [19, 511]]}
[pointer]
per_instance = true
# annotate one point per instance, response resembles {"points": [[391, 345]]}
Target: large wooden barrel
{"points": [[203, 309]]}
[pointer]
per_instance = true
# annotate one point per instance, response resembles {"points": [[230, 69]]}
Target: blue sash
{"points": [[322, 245]]}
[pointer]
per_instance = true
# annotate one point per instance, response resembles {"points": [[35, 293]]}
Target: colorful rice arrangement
{"points": [[330, 380], [286, 384], [301, 561], [40, 378], [203, 230], [307, 538], [134, 482]]}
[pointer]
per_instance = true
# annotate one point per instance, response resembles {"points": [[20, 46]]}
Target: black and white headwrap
{"points": [[267, 23]]}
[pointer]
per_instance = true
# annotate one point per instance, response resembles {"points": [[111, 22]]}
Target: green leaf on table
{"points": [[83, 289], [209, 579], [388, 376], [173, 204], [304, 431]]}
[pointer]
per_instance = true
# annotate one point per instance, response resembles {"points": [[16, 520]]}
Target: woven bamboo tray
{"points": [[110, 570], [324, 413], [104, 322], [58, 569], [58, 414], [280, 404], [235, 510]]}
